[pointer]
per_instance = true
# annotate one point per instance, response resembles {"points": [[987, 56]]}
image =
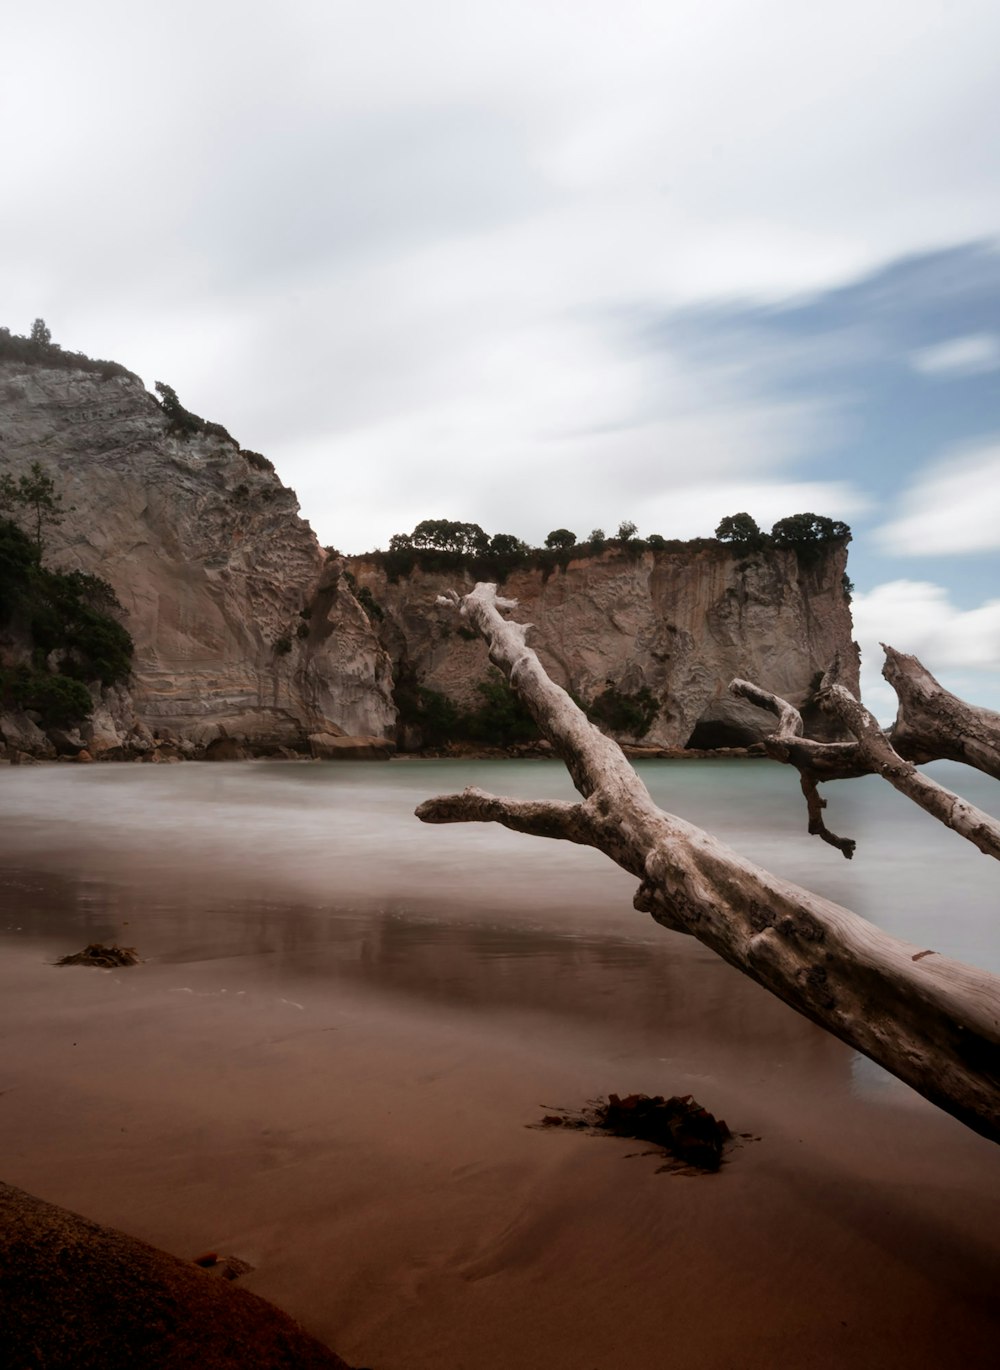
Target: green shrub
{"points": [[369, 603], [437, 717], [41, 350], [741, 531], [67, 612], [501, 720], [261, 463], [61, 701], [631, 714]]}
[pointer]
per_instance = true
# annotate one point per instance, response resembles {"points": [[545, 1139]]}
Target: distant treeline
{"points": [[450, 545]]}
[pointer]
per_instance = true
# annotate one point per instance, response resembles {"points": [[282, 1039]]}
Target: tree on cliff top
{"points": [[449, 535], [800, 530], [741, 530]]}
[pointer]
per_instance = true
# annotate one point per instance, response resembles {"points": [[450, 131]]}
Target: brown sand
{"points": [[370, 1160], [78, 1295]]}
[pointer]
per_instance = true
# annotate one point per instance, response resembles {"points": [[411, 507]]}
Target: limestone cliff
{"points": [[240, 626], [679, 623]]}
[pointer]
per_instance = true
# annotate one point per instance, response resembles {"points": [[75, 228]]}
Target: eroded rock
{"points": [[215, 569]]}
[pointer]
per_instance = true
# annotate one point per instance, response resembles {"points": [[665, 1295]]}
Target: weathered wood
{"points": [[890, 755], [931, 1021], [933, 724], [970, 822]]}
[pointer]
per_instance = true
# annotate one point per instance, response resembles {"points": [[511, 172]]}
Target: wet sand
{"points": [[348, 1113], [376, 1169]]}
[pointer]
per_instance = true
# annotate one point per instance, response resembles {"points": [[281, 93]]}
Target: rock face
{"points": [[681, 624], [242, 627]]}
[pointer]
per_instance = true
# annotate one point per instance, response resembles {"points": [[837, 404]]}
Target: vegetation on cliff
{"points": [[58, 627], [500, 719], [452, 545], [39, 349]]}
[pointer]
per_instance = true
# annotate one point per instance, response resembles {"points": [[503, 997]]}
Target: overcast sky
{"points": [[549, 264]]}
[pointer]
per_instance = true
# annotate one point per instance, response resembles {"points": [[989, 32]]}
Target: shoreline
{"points": [[168, 754]]}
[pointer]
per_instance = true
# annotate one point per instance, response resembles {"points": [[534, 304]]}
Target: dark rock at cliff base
{"points": [[77, 1296], [225, 749], [327, 747]]}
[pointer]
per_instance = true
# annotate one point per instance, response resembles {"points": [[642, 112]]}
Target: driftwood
{"points": [[929, 727], [931, 1021]]}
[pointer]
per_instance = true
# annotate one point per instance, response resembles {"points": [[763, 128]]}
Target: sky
{"points": [[549, 264]]}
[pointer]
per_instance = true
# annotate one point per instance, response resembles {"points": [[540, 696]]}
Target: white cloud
{"points": [[972, 355], [953, 507], [961, 647], [387, 243]]}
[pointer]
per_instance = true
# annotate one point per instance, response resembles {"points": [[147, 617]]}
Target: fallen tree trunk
{"points": [[931, 1021]]}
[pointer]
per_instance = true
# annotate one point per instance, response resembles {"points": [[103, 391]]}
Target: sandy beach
{"points": [[377, 1171], [356, 1127]]}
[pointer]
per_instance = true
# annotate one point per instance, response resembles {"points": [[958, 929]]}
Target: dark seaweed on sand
{"points": [[97, 954], [679, 1124]]}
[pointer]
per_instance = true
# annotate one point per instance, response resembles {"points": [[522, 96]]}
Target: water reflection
{"points": [[319, 875]]}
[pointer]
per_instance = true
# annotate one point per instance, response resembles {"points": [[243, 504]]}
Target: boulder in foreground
{"points": [[78, 1296]]}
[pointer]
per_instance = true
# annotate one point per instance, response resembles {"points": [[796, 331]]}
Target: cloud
{"points": [[972, 355], [960, 647], [953, 507], [404, 248]]}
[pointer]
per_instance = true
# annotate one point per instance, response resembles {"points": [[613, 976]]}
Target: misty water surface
{"points": [[318, 879]]}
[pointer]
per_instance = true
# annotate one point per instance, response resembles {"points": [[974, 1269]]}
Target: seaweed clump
{"points": [[679, 1125], [97, 954]]}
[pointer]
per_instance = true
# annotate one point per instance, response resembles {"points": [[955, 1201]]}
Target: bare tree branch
{"points": [[814, 761], [933, 724], [982, 830], [915, 736], [815, 805], [535, 817], [933, 1022]]}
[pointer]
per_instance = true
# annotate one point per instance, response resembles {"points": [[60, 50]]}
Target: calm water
{"points": [[319, 879]]}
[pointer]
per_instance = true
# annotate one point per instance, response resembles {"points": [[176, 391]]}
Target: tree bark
{"points": [[890, 755], [931, 1021], [934, 725]]}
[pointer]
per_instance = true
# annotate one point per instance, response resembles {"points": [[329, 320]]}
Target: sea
{"points": [[317, 878]]}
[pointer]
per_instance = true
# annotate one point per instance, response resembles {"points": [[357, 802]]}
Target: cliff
{"points": [[668, 629], [241, 626]]}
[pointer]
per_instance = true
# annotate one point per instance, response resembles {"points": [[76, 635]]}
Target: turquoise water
{"points": [[319, 876]]}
